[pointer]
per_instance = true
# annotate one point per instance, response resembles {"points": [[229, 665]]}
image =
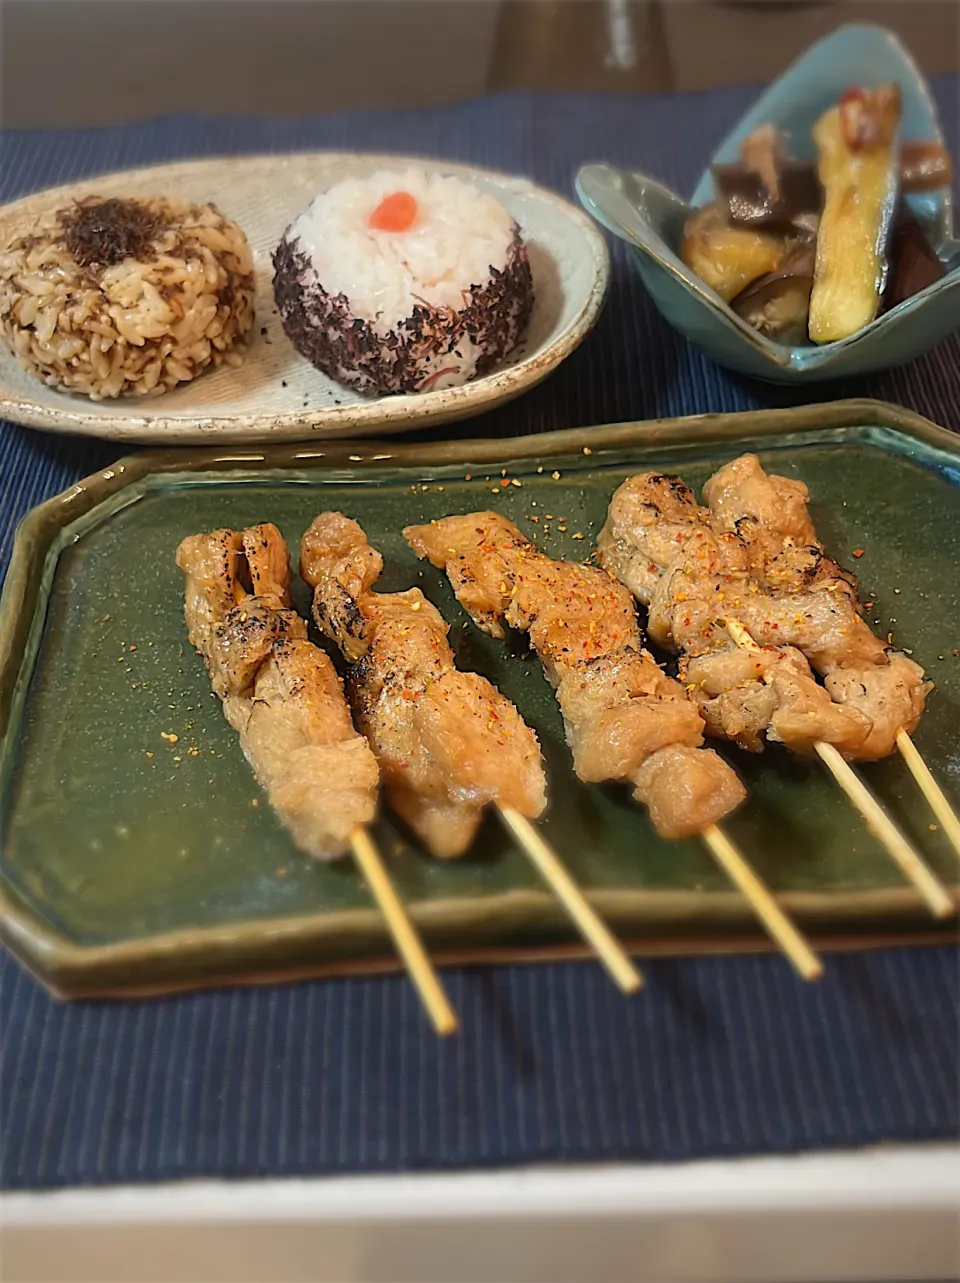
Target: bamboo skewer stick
{"points": [[939, 803], [588, 922], [762, 902], [932, 890], [405, 936], [880, 824]]}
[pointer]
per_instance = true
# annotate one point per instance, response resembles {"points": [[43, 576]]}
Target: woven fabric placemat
{"points": [[717, 1056]]}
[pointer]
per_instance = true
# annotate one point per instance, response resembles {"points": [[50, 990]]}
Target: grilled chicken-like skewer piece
{"points": [[860, 672], [658, 541], [284, 698], [279, 692], [625, 720], [448, 743], [814, 602], [702, 597]]}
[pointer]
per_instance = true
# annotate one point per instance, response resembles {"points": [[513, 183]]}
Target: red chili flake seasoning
{"points": [[858, 552]]}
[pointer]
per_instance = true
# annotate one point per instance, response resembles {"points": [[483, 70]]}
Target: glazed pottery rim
{"points": [[68, 966], [76, 415], [787, 357]]}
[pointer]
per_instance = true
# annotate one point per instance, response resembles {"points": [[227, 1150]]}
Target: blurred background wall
{"points": [[83, 62]]}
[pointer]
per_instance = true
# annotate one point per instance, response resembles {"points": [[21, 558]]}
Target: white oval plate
{"points": [[276, 395]]}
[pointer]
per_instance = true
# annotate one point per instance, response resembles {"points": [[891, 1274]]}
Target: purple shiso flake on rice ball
{"points": [[403, 282]]}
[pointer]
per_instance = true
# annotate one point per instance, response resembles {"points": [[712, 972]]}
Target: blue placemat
{"points": [[716, 1056]]}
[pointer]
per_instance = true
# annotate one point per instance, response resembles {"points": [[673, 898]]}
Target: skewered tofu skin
{"points": [[625, 720], [812, 602], [279, 691], [449, 744], [658, 542]]}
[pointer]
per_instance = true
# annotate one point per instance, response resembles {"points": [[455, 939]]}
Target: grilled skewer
{"points": [[771, 514], [448, 743], [279, 691], [698, 577], [658, 541], [625, 719], [891, 688], [813, 602], [284, 698]]}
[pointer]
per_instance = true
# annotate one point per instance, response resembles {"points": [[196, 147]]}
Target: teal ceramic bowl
{"points": [[650, 218]]}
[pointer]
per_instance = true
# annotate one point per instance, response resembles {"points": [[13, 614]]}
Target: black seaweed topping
{"points": [[106, 232]]}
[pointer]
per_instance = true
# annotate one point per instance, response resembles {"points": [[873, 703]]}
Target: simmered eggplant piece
{"points": [[762, 152], [858, 164], [752, 205], [728, 258], [913, 261], [924, 167], [767, 189], [777, 303]]}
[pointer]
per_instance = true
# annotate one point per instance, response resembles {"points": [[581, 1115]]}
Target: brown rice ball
{"points": [[127, 297]]}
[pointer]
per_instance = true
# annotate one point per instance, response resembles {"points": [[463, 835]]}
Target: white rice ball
{"points": [[403, 282]]}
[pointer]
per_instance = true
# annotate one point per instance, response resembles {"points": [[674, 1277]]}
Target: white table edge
{"points": [[891, 1212]]}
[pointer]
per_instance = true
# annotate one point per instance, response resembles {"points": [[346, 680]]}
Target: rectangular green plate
{"points": [[130, 863]]}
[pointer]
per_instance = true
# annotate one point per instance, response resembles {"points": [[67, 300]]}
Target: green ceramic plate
{"points": [[133, 863]]}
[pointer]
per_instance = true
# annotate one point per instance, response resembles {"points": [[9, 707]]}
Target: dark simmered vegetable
{"points": [[777, 304], [728, 258], [913, 261], [858, 164], [762, 153], [924, 167], [806, 251], [752, 205], [766, 189]]}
